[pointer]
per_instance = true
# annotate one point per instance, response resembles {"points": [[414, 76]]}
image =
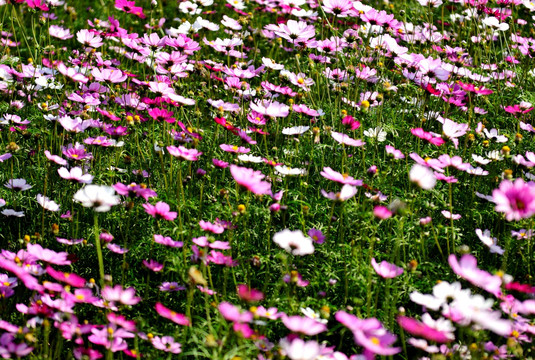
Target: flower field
{"points": [[267, 179]]}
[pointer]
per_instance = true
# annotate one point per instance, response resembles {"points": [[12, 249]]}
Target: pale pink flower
{"points": [[345, 179], [303, 325], [89, 38], [386, 270]]}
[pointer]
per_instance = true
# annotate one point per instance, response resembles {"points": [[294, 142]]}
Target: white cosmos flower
{"points": [[489, 241], [47, 203], [286, 170], [480, 159], [271, 64], [376, 133], [296, 130], [294, 242], [99, 197], [11, 212], [495, 155], [422, 176], [250, 158], [308, 312]]}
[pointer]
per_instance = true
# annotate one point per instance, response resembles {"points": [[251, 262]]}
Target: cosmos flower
{"points": [[386, 270], [183, 153], [167, 344], [17, 185], [175, 317], [304, 325], [99, 197], [294, 242], [59, 32], [250, 179], [422, 176], [160, 211], [515, 199], [345, 179], [119, 295], [46, 203]]}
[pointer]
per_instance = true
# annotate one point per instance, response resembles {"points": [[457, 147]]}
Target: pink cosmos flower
{"points": [[293, 31], [232, 313], [345, 179], [234, 149], [54, 158], [183, 153], [167, 241], [175, 317], [130, 8], [68, 278], [475, 89], [270, 108], [109, 75], [298, 349], [339, 8], [153, 265], [118, 294], [59, 32], [249, 294], [47, 255], [467, 269], [397, 154], [213, 228], [449, 215], [347, 192], [346, 140], [386, 270], [160, 211], [224, 106], [303, 325], [455, 161], [515, 199], [89, 38], [271, 313], [27, 279], [250, 179], [72, 73], [369, 333], [350, 122], [419, 132], [167, 344], [75, 174], [382, 212]]}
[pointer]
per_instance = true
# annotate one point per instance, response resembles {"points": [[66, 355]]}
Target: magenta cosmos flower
{"points": [[160, 211], [417, 328], [515, 199], [250, 179], [175, 317]]}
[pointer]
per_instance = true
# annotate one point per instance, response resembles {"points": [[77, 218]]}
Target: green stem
{"points": [[99, 250]]}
